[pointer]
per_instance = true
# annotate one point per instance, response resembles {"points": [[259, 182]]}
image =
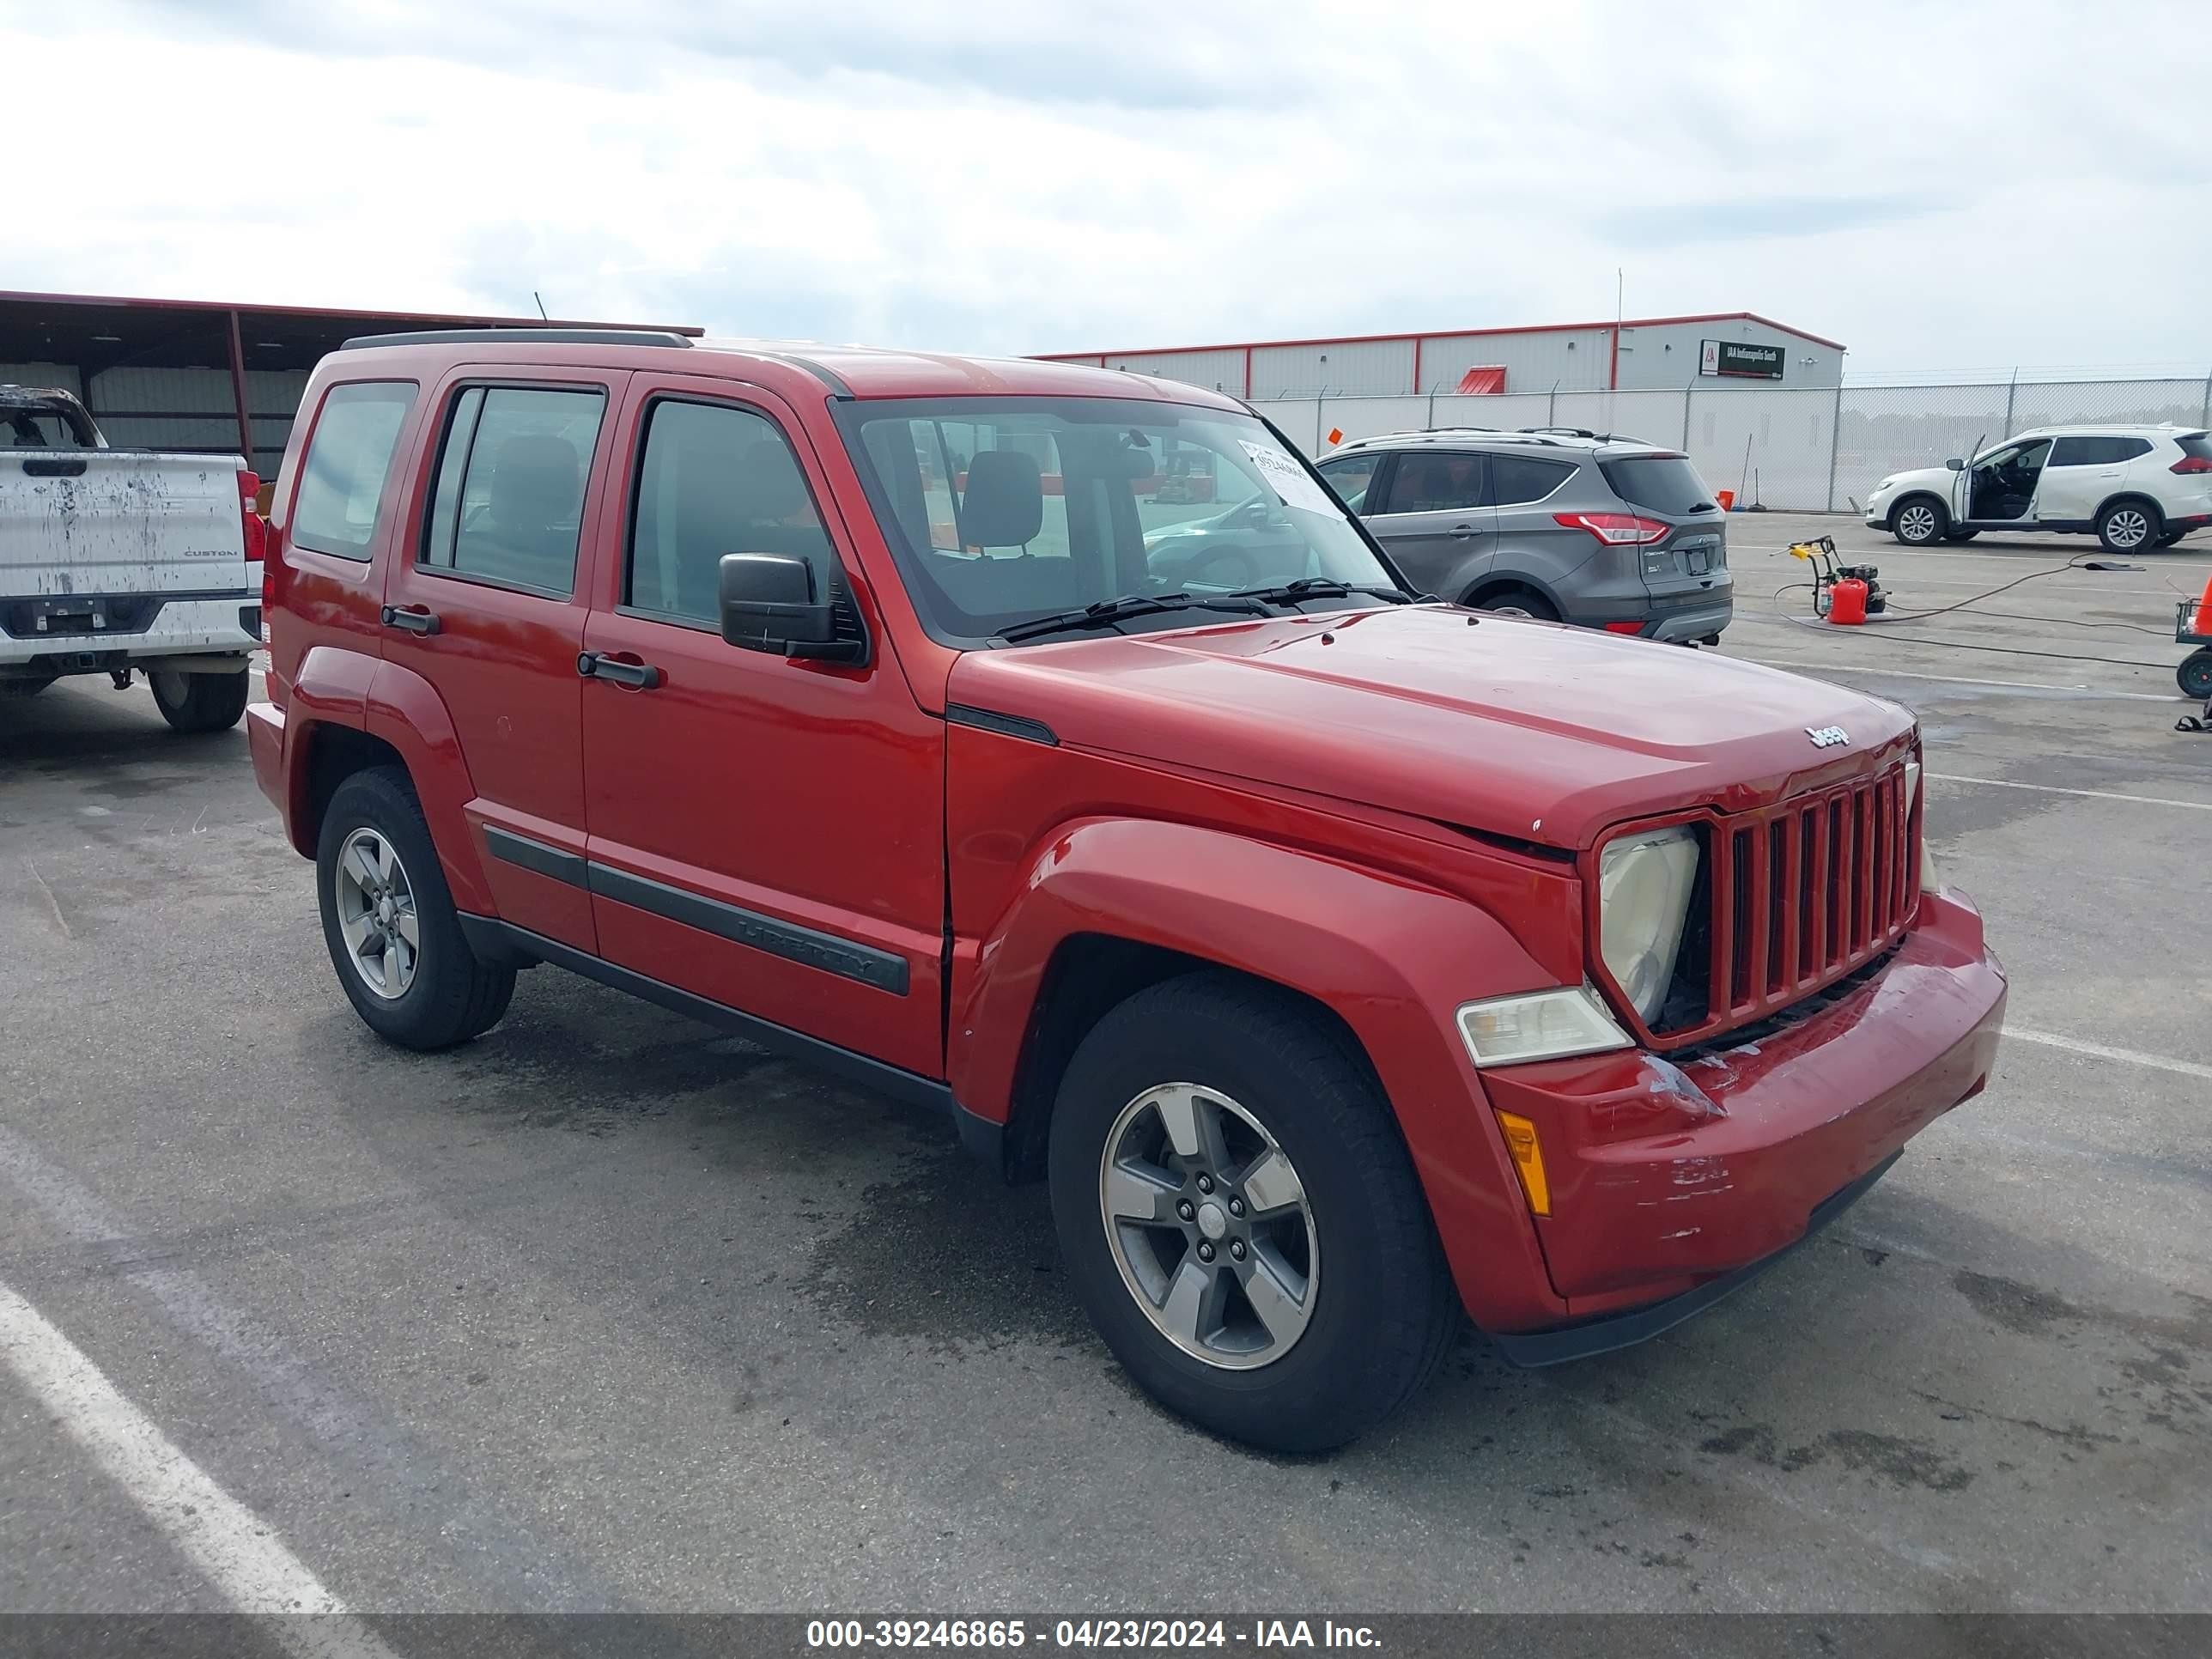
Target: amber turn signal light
{"points": [[1527, 1161]]}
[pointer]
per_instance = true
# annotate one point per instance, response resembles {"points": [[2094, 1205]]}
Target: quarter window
{"points": [[713, 480], [1516, 479], [342, 479], [508, 506]]}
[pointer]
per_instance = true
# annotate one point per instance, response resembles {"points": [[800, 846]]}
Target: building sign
{"points": [[1740, 359]]}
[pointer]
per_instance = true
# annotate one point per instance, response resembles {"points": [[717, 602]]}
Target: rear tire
{"points": [[2195, 675], [2170, 537], [1920, 521], [378, 877], [2129, 526], [1300, 1188], [199, 703], [1519, 602]]}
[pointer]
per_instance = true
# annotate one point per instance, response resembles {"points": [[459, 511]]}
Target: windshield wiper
{"points": [[1322, 587], [1107, 612]]}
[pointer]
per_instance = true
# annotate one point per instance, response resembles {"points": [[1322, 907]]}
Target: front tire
{"points": [[2129, 526], [199, 703], [389, 922], [1919, 521], [1240, 1218], [1960, 535]]}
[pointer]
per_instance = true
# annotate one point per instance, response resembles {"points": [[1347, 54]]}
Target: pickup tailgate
{"points": [[121, 522]]}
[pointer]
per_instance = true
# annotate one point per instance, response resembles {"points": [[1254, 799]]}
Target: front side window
{"points": [[715, 479], [1004, 510], [1352, 476], [508, 506], [342, 479]]}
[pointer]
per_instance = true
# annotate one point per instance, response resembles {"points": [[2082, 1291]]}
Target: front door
{"points": [[2000, 487], [1436, 520], [484, 600], [766, 832]]}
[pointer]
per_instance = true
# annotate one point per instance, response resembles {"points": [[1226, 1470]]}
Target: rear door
{"points": [[2083, 471], [484, 599], [1531, 490], [766, 832], [1436, 520]]}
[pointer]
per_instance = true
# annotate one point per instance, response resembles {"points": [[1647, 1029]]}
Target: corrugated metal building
{"points": [[1640, 353], [195, 375]]}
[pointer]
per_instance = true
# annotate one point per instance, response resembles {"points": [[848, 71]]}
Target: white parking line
{"points": [[238, 1553], [2088, 794], [2101, 1051], [1961, 679]]}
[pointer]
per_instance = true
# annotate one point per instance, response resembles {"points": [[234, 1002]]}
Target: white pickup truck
{"points": [[117, 561]]}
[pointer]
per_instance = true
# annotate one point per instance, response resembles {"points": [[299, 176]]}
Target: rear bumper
{"points": [[1672, 1182], [131, 626], [265, 741]]}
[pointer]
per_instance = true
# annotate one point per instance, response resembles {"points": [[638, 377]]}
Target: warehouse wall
{"points": [[39, 375], [1668, 356], [1341, 368], [1576, 360], [1221, 371]]}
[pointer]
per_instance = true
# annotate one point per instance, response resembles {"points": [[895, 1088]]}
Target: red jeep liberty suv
{"points": [[1342, 958]]}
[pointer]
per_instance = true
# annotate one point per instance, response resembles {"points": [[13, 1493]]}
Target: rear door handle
{"points": [[1461, 532], [414, 618], [638, 676]]}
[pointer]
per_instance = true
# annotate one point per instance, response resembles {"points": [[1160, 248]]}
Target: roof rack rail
{"points": [[651, 337], [1584, 432]]}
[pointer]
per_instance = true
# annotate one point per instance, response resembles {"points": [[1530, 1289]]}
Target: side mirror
{"points": [[767, 604], [1956, 465]]}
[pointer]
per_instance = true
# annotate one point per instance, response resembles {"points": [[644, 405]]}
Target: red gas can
{"points": [[1847, 600]]}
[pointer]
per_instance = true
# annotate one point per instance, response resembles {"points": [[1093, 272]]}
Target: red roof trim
{"points": [[1461, 334], [10, 296]]}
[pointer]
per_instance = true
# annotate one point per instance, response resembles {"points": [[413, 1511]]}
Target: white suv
{"points": [[2132, 487]]}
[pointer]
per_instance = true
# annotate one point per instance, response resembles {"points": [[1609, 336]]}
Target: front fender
{"points": [[1392, 958]]}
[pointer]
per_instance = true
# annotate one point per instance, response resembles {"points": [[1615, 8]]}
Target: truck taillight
{"points": [[257, 533], [2191, 464], [1615, 529]]}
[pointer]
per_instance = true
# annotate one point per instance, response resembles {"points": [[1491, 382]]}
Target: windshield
{"points": [[1004, 510]]}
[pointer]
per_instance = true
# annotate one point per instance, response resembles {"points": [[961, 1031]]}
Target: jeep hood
{"points": [[1529, 730]]}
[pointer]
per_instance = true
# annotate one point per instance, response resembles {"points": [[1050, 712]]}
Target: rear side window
{"points": [[509, 502], [342, 479], [1429, 482], [713, 480], [2097, 452], [1516, 480], [1664, 483]]}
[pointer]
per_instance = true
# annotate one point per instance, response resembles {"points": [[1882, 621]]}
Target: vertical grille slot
{"points": [[1794, 896]]}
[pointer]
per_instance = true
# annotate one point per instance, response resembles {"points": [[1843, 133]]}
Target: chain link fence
{"points": [[1786, 447]]}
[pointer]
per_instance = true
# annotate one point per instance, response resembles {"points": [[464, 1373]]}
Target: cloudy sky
{"points": [[1942, 187]]}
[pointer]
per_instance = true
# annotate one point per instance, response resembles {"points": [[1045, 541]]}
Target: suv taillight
{"points": [[1615, 529], [2191, 464]]}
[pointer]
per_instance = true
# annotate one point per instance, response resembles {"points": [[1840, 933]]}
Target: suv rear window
{"points": [[342, 480], [2196, 445], [1664, 483]]}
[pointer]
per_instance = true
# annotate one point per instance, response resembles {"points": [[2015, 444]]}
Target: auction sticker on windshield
{"points": [[1288, 479]]}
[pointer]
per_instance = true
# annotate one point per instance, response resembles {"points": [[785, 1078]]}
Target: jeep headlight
{"points": [[1644, 882], [1913, 803]]}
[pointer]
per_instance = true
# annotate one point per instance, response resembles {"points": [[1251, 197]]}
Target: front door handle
{"points": [[412, 617], [638, 676]]}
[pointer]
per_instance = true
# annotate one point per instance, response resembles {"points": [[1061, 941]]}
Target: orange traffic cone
{"points": [[2203, 622]]}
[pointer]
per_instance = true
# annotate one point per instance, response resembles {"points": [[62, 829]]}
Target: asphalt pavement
{"points": [[609, 1311]]}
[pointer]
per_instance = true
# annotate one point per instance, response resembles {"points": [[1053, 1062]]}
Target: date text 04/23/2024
{"points": [[1121, 1634]]}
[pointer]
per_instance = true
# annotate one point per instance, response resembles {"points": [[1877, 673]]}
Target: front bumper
{"points": [[1671, 1180]]}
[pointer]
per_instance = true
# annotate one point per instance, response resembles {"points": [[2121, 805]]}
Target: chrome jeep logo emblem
{"points": [[1827, 737]]}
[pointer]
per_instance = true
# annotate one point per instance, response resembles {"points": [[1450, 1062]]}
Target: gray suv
{"points": [[1559, 523]]}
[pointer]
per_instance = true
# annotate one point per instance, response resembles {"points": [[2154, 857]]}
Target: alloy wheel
{"points": [[1917, 523], [1210, 1227], [2128, 527], [376, 913]]}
